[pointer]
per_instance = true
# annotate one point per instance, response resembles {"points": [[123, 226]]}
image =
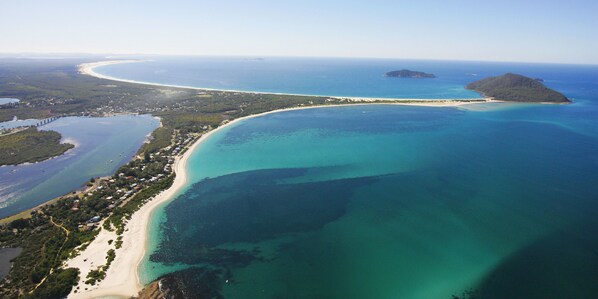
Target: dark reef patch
{"points": [[197, 282], [556, 266], [248, 207]]}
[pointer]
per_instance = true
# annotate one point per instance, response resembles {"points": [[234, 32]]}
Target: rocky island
{"points": [[516, 88], [408, 74]]}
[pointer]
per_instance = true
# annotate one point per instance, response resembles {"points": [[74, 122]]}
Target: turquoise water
{"points": [[387, 201], [384, 202], [101, 146]]}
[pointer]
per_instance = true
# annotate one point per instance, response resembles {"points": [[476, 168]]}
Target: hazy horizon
{"points": [[509, 31], [73, 55]]}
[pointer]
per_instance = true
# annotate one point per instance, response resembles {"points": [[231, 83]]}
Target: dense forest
{"points": [[30, 145], [516, 88], [409, 74]]}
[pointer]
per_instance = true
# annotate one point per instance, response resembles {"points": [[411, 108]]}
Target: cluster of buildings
{"points": [[111, 192]]}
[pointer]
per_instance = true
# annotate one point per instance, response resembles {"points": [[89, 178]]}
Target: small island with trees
{"points": [[30, 145], [408, 74], [517, 88]]}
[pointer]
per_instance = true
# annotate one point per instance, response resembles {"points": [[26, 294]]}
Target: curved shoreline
{"points": [[87, 69], [126, 283]]}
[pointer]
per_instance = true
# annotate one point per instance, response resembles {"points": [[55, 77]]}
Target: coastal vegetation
{"points": [[161, 138], [58, 231], [30, 145], [118, 218], [36, 271], [516, 88], [56, 88], [100, 273], [409, 74]]}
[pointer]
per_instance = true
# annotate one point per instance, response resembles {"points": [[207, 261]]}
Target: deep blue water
{"points": [[101, 146], [384, 201], [340, 76], [336, 77]]}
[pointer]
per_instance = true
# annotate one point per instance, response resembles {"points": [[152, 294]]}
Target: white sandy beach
{"points": [[122, 279]]}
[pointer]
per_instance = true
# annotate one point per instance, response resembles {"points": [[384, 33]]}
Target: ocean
{"points": [[383, 201], [322, 76]]}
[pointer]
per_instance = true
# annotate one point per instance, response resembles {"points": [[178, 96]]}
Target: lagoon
{"points": [[8, 101], [6, 255], [101, 146]]}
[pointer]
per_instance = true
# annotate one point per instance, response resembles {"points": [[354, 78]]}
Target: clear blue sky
{"points": [[525, 30]]}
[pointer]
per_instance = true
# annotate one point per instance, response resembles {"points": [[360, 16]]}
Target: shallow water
{"points": [[387, 201], [377, 201]]}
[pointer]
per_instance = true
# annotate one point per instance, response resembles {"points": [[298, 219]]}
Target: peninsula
{"points": [[408, 74], [517, 88]]}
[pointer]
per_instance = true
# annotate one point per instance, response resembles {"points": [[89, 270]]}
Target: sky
{"points": [[507, 30]]}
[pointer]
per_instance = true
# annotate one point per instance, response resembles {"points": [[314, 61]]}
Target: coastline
{"points": [[126, 283], [88, 69]]}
